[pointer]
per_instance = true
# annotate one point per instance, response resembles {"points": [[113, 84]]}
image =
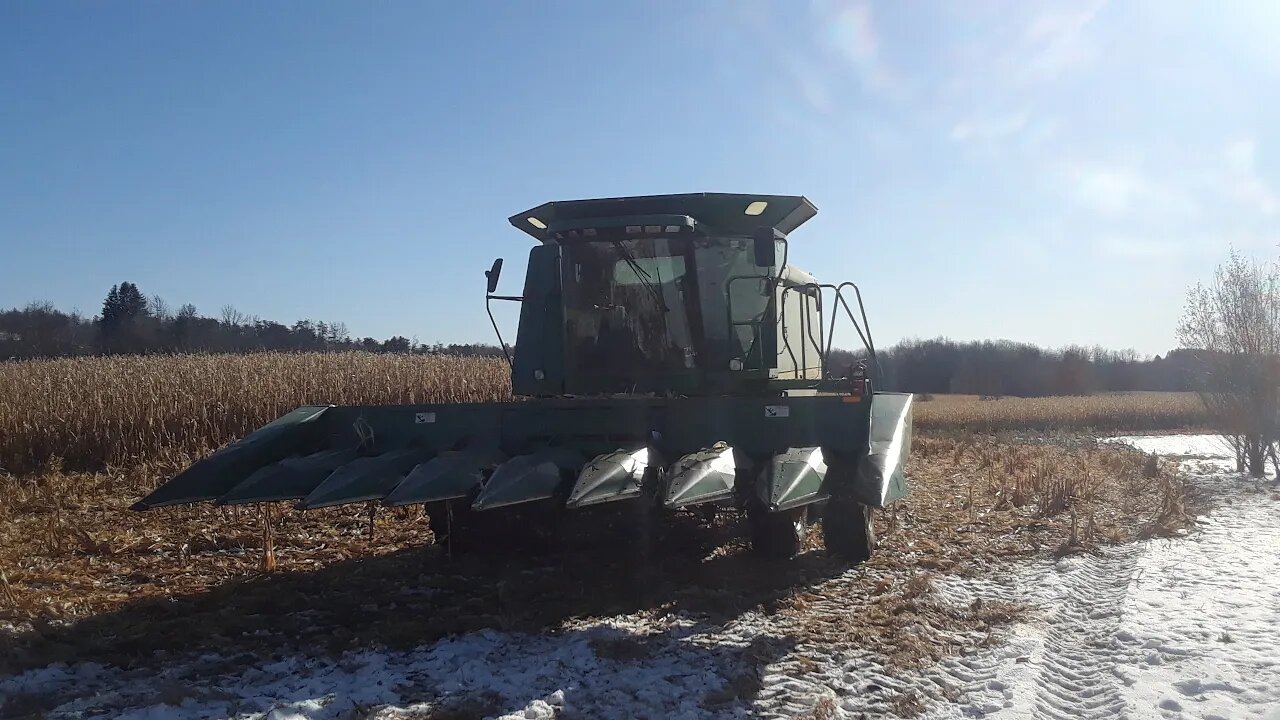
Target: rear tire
{"points": [[848, 530], [777, 534]]}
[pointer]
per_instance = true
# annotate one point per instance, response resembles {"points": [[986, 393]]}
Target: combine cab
{"points": [[667, 357]]}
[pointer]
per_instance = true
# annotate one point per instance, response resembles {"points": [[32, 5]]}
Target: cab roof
{"points": [[728, 213]]}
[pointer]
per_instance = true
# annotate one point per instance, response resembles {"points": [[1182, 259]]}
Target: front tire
{"points": [[448, 520], [777, 534], [848, 530]]}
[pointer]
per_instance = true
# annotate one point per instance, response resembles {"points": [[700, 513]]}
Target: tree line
{"points": [[997, 368], [130, 322]]}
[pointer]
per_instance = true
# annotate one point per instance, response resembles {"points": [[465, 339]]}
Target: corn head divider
{"points": [[668, 357]]}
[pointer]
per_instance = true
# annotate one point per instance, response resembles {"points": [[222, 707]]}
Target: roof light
{"points": [[541, 225], [653, 228], [633, 229], [756, 207], [672, 229]]}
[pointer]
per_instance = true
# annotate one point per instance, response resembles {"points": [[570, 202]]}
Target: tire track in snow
{"points": [[862, 684], [972, 684], [1076, 665]]}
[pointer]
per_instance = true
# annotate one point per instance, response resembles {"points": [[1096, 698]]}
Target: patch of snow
{"points": [[1178, 446], [1198, 454], [1185, 628], [533, 676]]}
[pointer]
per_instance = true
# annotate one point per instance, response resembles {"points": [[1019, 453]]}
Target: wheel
{"points": [[646, 518], [545, 520], [848, 529], [776, 534], [446, 519]]}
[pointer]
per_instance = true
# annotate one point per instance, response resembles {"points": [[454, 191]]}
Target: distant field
{"points": [[124, 410], [91, 412], [1102, 412]]}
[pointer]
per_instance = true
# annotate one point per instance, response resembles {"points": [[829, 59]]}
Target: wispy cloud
{"points": [[1010, 60], [852, 34], [1055, 40]]}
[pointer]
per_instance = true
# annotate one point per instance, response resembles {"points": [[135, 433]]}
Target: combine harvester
{"points": [[667, 357]]}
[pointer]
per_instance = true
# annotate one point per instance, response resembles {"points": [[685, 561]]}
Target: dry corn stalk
{"points": [[268, 540]]}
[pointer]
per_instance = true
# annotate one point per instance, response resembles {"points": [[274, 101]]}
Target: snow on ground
{"points": [[1201, 621], [535, 676], [1183, 628]]}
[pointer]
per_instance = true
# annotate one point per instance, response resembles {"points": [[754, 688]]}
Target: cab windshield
{"points": [[627, 319]]}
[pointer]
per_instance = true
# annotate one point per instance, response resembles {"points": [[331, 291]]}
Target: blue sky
{"points": [[1051, 172]]}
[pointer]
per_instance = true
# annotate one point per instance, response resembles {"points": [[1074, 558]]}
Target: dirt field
{"points": [[83, 580]]}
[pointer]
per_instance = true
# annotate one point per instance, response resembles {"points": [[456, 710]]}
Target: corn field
{"points": [[1103, 412], [90, 412], [106, 584]]}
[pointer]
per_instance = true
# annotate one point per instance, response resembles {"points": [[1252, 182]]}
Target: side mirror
{"points": [[763, 247], [493, 274]]}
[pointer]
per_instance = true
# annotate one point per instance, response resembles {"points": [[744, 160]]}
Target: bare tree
{"points": [[1233, 327], [338, 333], [232, 317], [158, 307]]}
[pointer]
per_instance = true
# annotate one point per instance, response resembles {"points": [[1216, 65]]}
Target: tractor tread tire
{"points": [[848, 530], [778, 535]]}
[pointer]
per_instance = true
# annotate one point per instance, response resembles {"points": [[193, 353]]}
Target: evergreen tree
{"points": [[119, 328]]}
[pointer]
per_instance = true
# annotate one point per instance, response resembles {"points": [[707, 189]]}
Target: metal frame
{"points": [[488, 296], [863, 329]]}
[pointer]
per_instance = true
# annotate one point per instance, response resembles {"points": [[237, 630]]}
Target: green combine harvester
{"points": [[667, 357]]}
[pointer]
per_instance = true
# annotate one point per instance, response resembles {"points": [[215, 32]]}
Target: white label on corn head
{"points": [[424, 418], [777, 411]]}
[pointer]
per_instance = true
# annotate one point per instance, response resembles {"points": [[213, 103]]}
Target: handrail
{"points": [[488, 309], [863, 329], [825, 344], [866, 338]]}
